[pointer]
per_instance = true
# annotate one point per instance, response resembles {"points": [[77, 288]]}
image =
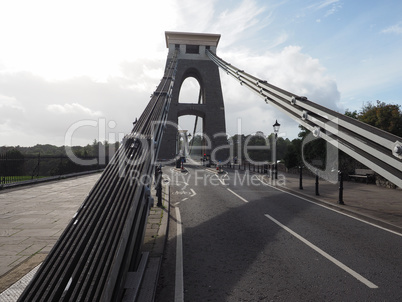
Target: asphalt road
{"points": [[234, 238]]}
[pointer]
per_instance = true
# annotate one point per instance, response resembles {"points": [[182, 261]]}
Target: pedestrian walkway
{"points": [[32, 218]]}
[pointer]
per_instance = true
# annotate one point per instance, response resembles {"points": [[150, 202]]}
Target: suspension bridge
{"points": [[102, 243]]}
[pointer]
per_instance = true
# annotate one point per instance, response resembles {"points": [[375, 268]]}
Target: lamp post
{"points": [[276, 130], [188, 144]]}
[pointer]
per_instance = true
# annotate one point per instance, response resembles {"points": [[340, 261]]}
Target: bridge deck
{"points": [[32, 218]]}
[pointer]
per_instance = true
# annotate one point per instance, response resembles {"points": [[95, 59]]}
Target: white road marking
{"points": [[211, 172], [317, 249], [179, 289], [222, 181], [245, 200], [335, 210], [329, 257], [193, 193]]}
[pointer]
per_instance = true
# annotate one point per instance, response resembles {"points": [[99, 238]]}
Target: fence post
{"points": [[3, 170], [158, 182], [61, 165], [37, 175]]}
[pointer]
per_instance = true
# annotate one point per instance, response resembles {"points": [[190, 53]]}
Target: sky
{"points": [[74, 71]]}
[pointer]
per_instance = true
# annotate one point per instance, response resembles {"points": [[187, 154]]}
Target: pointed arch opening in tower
{"points": [[190, 92]]}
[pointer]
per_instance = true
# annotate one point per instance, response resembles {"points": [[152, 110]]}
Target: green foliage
{"points": [[387, 117], [292, 157], [49, 160], [14, 154], [352, 114], [257, 148], [15, 159]]}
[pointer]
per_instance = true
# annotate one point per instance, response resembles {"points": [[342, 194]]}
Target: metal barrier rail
{"points": [[379, 150], [30, 167], [102, 242]]}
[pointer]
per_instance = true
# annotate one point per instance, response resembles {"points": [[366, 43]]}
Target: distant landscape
{"points": [[25, 163]]}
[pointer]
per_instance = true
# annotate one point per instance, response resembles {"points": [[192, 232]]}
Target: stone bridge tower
{"points": [[193, 62]]}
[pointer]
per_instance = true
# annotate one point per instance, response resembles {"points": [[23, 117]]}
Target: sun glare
{"points": [[64, 39]]}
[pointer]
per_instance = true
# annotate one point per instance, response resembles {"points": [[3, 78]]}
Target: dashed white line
{"points": [[179, 289], [237, 195]]}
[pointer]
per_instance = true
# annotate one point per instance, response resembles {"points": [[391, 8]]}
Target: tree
{"points": [[387, 117], [314, 152], [237, 141], [13, 163], [352, 114], [260, 153], [292, 156]]}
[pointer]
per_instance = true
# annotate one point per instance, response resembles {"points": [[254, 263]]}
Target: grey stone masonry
{"points": [[211, 109]]}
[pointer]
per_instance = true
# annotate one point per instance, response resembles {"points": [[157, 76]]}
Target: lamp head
{"points": [[276, 126]]}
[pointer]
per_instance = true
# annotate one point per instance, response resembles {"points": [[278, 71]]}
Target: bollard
{"points": [[301, 178], [276, 171], [316, 185], [158, 185], [340, 200]]}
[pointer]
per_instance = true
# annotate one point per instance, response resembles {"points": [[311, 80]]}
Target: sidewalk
{"points": [[31, 220], [154, 243]]}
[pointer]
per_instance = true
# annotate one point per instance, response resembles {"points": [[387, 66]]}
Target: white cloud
{"points": [[72, 109], [97, 59], [9, 101], [330, 6], [234, 23], [288, 69], [394, 29], [194, 15], [291, 70], [75, 38], [323, 4], [42, 111]]}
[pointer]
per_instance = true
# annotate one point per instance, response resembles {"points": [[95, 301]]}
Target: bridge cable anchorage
{"points": [[377, 149], [91, 258]]}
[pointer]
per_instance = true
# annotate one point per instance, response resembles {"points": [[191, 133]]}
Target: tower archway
{"points": [[194, 63], [190, 91]]}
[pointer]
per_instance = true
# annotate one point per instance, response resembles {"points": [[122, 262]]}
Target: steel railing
{"points": [[102, 242]]}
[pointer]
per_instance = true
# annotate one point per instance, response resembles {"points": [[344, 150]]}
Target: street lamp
{"points": [[276, 130], [188, 144]]}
